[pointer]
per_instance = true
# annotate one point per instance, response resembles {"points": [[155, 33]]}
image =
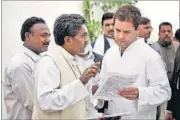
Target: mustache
{"points": [[46, 43], [111, 30]]}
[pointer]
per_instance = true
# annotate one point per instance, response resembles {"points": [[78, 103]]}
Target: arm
{"points": [[22, 85], [158, 90], [49, 95]]}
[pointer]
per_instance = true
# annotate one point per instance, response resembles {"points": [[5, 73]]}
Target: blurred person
{"points": [[173, 105], [176, 39]]}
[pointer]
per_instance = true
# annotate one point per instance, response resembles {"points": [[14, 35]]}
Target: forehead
{"points": [[39, 27], [108, 21], [165, 27], [124, 25], [145, 25]]}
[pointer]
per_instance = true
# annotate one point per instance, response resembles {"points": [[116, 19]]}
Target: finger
{"points": [[95, 66], [128, 93], [130, 97], [94, 71], [130, 90], [90, 75]]}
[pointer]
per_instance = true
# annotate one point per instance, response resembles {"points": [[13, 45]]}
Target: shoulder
{"points": [[45, 60], [156, 46], [111, 52], [17, 61], [18, 64], [152, 55]]}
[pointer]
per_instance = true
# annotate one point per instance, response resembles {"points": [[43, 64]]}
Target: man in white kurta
{"points": [[134, 57]]}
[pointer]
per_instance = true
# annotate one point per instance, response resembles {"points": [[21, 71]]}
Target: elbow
{"points": [[51, 103], [167, 92]]}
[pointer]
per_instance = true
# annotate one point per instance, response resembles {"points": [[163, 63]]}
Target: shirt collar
{"points": [[30, 54], [90, 56], [139, 40]]}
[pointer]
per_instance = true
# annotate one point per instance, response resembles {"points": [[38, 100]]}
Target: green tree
{"points": [[93, 25]]}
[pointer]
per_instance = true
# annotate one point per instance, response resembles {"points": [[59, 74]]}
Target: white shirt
{"points": [[152, 82], [50, 97], [99, 44], [18, 84], [85, 63]]}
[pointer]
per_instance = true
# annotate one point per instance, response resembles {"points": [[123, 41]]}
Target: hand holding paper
{"points": [[130, 93]]}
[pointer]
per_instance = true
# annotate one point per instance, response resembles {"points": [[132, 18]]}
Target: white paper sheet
{"points": [[108, 90]]}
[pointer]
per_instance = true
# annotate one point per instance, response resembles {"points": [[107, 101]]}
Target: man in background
{"points": [[166, 50], [145, 29], [106, 40], [173, 105]]}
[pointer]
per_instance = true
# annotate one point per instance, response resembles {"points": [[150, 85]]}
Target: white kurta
{"points": [[18, 84], [99, 45], [152, 81]]}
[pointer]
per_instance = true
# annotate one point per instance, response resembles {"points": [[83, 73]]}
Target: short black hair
{"points": [[108, 15], [67, 25], [164, 23], [128, 13], [144, 21], [177, 34], [28, 24]]}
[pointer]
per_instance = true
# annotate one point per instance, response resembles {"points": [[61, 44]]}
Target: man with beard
{"points": [[166, 49], [145, 29], [105, 41], [60, 84], [19, 77]]}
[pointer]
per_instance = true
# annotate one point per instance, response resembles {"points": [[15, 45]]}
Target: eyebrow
{"points": [[46, 33]]}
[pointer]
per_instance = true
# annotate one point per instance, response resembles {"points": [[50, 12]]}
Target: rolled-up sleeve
{"points": [[49, 95]]}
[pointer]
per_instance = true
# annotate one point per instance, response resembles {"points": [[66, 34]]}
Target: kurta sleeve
{"points": [[49, 95], [158, 90]]}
